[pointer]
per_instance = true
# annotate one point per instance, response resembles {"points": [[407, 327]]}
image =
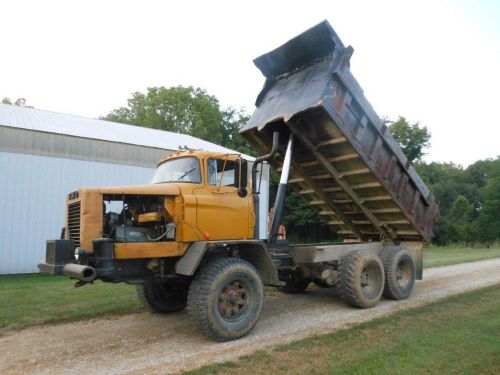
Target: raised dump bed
{"points": [[346, 164]]}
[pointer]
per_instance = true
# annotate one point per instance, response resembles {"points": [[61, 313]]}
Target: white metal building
{"points": [[45, 155]]}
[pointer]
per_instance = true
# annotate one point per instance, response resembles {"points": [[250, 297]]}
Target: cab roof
{"points": [[200, 154]]}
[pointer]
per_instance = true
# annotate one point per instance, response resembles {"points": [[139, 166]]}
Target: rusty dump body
{"points": [[346, 163]]}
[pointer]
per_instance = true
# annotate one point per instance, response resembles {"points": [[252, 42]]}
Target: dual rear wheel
{"points": [[364, 276], [400, 273]]}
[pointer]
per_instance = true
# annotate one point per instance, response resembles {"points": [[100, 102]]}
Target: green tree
{"points": [[445, 231], [232, 121], [413, 138], [458, 221], [185, 110], [488, 223], [20, 102], [446, 181], [466, 199], [482, 170], [477, 176], [302, 222], [178, 109], [460, 212]]}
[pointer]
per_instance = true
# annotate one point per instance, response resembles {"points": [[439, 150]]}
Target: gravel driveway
{"points": [[159, 344]]}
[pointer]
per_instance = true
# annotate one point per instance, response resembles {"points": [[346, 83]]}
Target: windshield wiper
{"points": [[186, 173]]}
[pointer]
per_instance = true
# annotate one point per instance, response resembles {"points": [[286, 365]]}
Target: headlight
{"points": [[77, 252]]}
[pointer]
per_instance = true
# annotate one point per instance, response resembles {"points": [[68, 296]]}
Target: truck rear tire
{"points": [[163, 297], [400, 273], [361, 279], [225, 298]]}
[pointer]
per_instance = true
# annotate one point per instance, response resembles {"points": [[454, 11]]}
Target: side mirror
{"points": [[241, 177]]}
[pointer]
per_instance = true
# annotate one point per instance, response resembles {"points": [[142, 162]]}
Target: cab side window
{"points": [[221, 172]]}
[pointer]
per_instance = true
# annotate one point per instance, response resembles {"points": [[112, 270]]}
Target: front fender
{"points": [[253, 251]]}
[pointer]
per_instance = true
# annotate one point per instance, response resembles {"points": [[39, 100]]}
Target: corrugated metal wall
{"points": [[33, 190], [24, 141]]}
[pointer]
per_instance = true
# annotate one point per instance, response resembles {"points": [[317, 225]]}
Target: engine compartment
{"points": [[137, 218]]}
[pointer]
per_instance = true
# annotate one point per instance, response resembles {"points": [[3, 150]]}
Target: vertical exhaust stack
{"points": [[280, 195], [255, 192]]}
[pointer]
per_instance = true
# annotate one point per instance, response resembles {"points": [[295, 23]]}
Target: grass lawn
{"points": [[435, 256], [39, 299], [459, 335]]}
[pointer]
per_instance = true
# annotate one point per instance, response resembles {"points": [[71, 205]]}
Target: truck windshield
{"points": [[185, 169]]}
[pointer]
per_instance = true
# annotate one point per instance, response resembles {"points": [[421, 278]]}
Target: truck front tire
{"points": [[163, 297], [361, 279], [400, 273], [225, 298]]}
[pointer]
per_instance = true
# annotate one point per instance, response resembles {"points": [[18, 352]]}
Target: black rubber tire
{"points": [[294, 284], [356, 269], [163, 297], [323, 284], [400, 273], [206, 295]]}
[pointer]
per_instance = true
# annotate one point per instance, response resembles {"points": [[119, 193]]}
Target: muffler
{"points": [[79, 272]]}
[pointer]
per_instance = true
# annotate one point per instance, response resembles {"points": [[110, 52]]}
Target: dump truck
{"points": [[198, 236]]}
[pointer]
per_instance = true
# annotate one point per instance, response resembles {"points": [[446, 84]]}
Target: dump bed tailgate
{"points": [[346, 164]]}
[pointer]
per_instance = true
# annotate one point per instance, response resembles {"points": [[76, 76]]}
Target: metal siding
{"points": [[77, 126], [32, 201], [25, 141]]}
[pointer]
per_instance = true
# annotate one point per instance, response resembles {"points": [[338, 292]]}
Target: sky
{"points": [[434, 62]]}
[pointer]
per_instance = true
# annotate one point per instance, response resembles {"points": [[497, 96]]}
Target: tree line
{"points": [[469, 200]]}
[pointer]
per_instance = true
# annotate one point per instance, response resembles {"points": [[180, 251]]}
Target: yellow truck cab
{"points": [[188, 191], [198, 236], [199, 207]]}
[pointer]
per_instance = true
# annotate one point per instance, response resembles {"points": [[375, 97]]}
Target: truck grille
{"points": [[74, 222]]}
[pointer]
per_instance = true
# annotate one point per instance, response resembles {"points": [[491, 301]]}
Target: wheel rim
{"points": [[234, 299], [403, 273], [370, 280]]}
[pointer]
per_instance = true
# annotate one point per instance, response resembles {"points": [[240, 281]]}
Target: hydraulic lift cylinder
{"points": [[280, 195]]}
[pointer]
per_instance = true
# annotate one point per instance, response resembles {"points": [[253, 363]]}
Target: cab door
{"points": [[221, 213]]}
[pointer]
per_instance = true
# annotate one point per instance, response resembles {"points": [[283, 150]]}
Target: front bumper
{"points": [[60, 260], [100, 264], [58, 253]]}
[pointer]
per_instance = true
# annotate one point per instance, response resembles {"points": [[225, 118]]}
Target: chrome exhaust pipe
{"points": [[79, 272]]}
